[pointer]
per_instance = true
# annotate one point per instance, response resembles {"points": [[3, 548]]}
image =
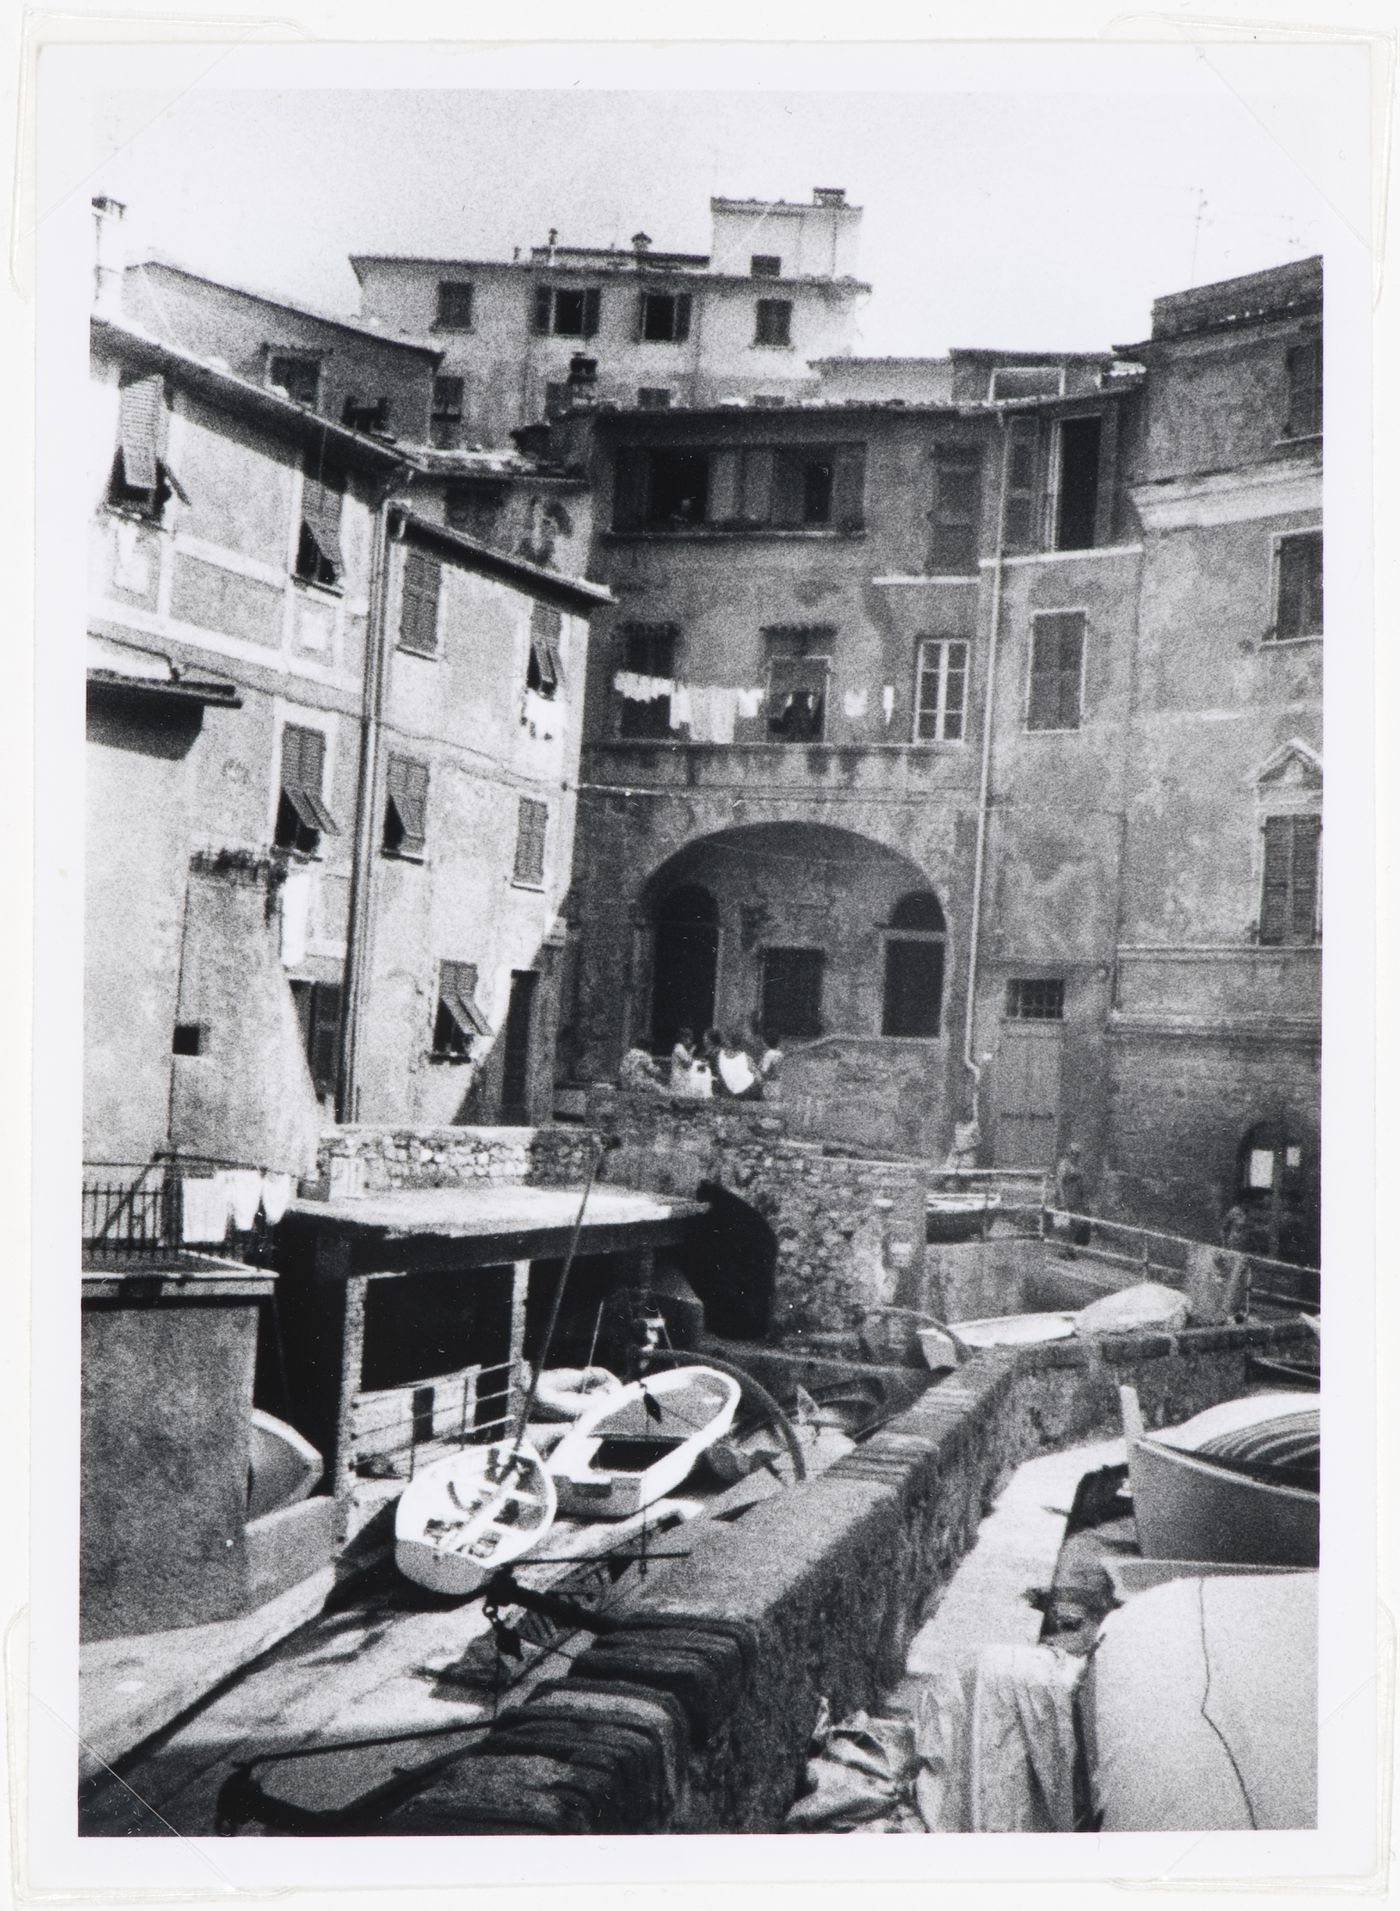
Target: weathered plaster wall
{"points": [[695, 1717]]}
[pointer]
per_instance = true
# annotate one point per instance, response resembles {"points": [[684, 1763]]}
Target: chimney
{"points": [[641, 242], [109, 258], [828, 195]]}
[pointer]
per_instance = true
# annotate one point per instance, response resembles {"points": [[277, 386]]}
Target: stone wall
{"points": [[695, 1715], [369, 1158]]}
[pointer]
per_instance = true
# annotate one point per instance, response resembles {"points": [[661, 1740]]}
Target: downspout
{"points": [[357, 938], [979, 863]]}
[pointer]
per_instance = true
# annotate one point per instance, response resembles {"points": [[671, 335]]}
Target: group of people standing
{"points": [[723, 1066]]}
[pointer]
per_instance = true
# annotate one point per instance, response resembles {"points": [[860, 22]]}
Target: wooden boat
{"points": [[567, 1393], [1238, 1482], [463, 1518], [282, 1467], [1012, 1330], [637, 1445], [1302, 1375]]}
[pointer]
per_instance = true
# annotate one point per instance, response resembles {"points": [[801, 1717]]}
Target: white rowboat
{"points": [[462, 1519], [636, 1446]]}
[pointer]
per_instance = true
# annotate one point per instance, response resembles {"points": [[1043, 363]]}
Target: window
{"points": [[654, 397], [1292, 854], [647, 652], [459, 1019], [956, 517], [1057, 670], [790, 990], [1035, 999], [302, 816], [913, 982], [405, 807], [298, 374], [475, 507], [765, 265], [940, 710], [545, 671], [532, 821], [773, 322], [1026, 381], [445, 420], [557, 394], [1297, 588], [454, 306], [797, 698], [318, 1015], [418, 608], [142, 483], [741, 488], [1077, 483], [1304, 418], [365, 414], [663, 318], [565, 312], [1022, 486], [319, 559], [188, 1039]]}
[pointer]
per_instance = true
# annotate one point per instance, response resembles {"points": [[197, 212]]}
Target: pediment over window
{"points": [[1294, 767]]}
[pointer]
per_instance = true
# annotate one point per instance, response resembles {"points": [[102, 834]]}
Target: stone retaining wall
{"points": [[369, 1158], [695, 1716]]}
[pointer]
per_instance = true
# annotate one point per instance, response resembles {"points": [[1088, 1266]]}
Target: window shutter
{"points": [[756, 496], [592, 299], [1022, 464], [321, 503], [1307, 835], [303, 776], [641, 331], [1071, 669], [544, 307], [142, 432], [1275, 909], [532, 822], [418, 618], [849, 511], [1305, 389], [955, 692], [957, 510], [545, 649], [682, 329], [630, 488], [407, 783]]}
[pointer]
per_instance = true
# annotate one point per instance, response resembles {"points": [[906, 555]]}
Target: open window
{"points": [[298, 374], [531, 830], [459, 1020], [663, 318], [1290, 902], [566, 312], [1297, 588], [142, 483], [405, 807], [654, 397], [647, 663], [445, 422], [940, 709], [765, 265], [1025, 381], [418, 609], [544, 673], [365, 414], [302, 815], [797, 693], [1056, 690], [319, 557], [455, 298], [318, 1007], [1074, 504], [790, 992], [773, 322], [913, 982]]}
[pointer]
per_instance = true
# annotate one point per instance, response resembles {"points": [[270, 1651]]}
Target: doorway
{"points": [[1277, 1186], [1026, 1086], [686, 965], [515, 1062]]}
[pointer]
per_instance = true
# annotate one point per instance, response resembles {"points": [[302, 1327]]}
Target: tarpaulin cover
{"points": [[1148, 1304]]}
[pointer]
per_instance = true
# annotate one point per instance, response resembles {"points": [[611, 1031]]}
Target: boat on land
{"points": [[567, 1393], [283, 1468], [463, 1518], [1237, 1483], [637, 1445]]}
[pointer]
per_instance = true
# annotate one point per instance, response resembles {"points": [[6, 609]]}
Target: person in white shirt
{"points": [[735, 1073]]}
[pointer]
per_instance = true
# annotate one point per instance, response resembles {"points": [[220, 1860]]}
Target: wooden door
{"points": [[1026, 1095]]}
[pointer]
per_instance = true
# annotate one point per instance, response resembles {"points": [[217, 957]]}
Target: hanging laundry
{"points": [[244, 1186], [295, 915], [636, 688], [133, 567], [855, 703], [542, 716], [204, 1205], [750, 702], [276, 1193], [681, 707], [887, 701], [712, 710]]}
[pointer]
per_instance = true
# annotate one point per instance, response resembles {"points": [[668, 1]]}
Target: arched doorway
{"points": [[1276, 1185], [913, 985], [686, 964]]}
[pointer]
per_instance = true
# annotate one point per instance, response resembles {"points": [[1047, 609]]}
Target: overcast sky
{"points": [[1049, 212]]}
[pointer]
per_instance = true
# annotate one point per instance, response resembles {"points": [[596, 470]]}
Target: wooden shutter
{"points": [[957, 510], [848, 500], [641, 331], [531, 824], [1305, 389], [1070, 667], [1307, 838], [321, 502], [1057, 652], [544, 307], [407, 788], [546, 656], [592, 301], [1022, 471], [418, 618], [303, 775], [1299, 586], [630, 473], [142, 432], [1276, 911], [682, 325]]}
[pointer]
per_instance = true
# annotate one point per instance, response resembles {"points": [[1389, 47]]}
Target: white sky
{"points": [[1048, 209]]}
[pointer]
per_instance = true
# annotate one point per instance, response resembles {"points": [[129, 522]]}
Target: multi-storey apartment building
{"points": [[637, 327], [971, 745]]}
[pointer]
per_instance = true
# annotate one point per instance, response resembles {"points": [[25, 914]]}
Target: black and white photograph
{"points": [[694, 870]]}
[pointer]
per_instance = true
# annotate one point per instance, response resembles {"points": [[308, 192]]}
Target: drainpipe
{"points": [[357, 939], [978, 874]]}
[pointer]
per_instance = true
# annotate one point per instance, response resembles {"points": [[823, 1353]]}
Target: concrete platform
{"points": [[129, 1688]]}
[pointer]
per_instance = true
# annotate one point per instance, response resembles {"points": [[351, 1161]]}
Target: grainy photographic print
{"points": [[702, 958]]}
